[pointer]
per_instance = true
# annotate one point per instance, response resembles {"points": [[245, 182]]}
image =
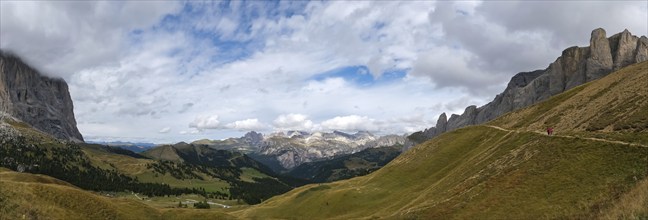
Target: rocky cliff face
{"points": [[576, 65], [40, 101]]}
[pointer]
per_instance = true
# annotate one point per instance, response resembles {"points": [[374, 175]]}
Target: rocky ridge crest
{"points": [[576, 66]]}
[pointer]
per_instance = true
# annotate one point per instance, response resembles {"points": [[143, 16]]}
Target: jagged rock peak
{"points": [[442, 123], [642, 50], [600, 60], [625, 47], [40, 101], [575, 66], [253, 138]]}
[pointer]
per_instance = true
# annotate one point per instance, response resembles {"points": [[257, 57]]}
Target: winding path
{"points": [[572, 137]]}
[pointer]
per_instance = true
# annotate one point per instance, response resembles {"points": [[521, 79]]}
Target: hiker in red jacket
{"points": [[549, 131]]}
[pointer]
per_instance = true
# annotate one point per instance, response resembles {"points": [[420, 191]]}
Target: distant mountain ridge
{"points": [[39, 101], [286, 150], [135, 147], [347, 166], [576, 66], [507, 168]]}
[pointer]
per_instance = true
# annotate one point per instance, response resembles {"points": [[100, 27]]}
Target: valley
{"points": [[507, 167], [282, 110]]}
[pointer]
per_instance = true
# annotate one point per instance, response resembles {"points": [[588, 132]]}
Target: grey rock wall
{"points": [[40, 101], [575, 66]]}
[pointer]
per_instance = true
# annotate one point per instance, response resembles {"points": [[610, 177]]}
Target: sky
{"points": [[170, 71]]}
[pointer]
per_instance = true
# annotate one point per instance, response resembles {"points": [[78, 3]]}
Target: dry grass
{"points": [[124, 164], [472, 173], [480, 172], [631, 205], [9, 176], [615, 105], [29, 196], [475, 173], [42, 198]]}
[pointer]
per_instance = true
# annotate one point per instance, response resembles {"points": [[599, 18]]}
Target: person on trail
{"points": [[549, 131]]}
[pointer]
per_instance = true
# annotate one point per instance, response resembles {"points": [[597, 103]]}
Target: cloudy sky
{"points": [[180, 71]]}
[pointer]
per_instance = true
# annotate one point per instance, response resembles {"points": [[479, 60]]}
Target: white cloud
{"points": [[293, 122], [205, 122], [251, 124], [162, 64], [165, 130], [489, 41], [61, 38], [326, 86], [350, 123]]}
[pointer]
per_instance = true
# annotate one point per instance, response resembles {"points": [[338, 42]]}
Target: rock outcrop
{"points": [[40, 101], [599, 61], [576, 65]]}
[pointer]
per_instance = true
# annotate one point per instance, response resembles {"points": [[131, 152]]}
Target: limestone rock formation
{"points": [[442, 123], [625, 46], [642, 50], [37, 100], [468, 117], [576, 65], [599, 61]]}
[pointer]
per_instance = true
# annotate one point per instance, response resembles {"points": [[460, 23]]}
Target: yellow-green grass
{"points": [[172, 201], [484, 172], [124, 164], [631, 205], [193, 214], [10, 176], [138, 168], [29, 196], [34, 135], [41, 197], [250, 173], [166, 152], [209, 184], [614, 107], [477, 172]]}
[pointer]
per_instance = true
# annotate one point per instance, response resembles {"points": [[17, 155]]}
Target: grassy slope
{"points": [[59, 200], [137, 168], [347, 166], [32, 196], [475, 172], [614, 107], [479, 171]]}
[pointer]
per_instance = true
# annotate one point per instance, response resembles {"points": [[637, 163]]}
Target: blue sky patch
{"points": [[360, 76]]}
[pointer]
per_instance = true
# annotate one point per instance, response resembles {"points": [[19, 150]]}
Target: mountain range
{"points": [[491, 162], [283, 151], [594, 166]]}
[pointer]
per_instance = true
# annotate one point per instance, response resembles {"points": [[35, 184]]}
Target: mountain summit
{"points": [[40, 101], [576, 66]]}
